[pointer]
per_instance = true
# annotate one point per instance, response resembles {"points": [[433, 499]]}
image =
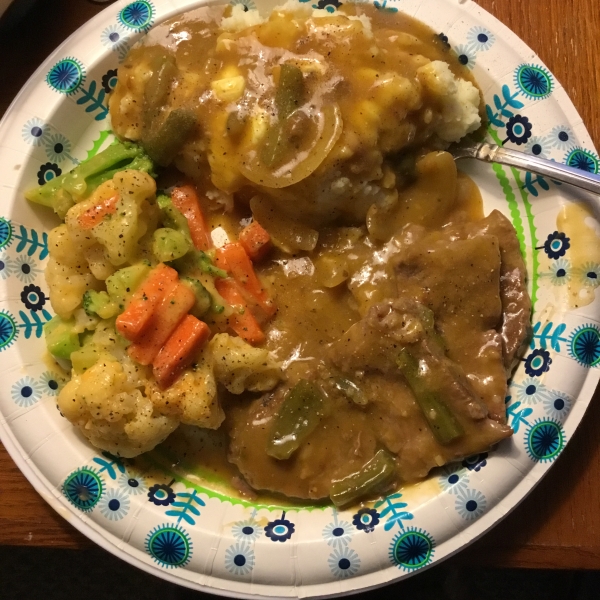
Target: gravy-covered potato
{"points": [[304, 106]]}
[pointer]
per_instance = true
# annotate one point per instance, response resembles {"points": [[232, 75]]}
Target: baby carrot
{"points": [[171, 310], [94, 215], [185, 199], [132, 322], [233, 258], [180, 350], [242, 321], [255, 240]]}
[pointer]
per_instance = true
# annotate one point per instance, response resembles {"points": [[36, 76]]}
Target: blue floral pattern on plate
{"points": [[412, 549], [169, 546], [239, 559]]}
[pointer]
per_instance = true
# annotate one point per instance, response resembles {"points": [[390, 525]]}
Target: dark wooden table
{"points": [[558, 525]]}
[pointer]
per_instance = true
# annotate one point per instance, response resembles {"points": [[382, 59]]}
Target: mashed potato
{"points": [[460, 100], [359, 88]]}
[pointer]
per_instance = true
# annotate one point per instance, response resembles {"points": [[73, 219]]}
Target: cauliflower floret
{"points": [[114, 240], [119, 407], [67, 273], [120, 234], [192, 398], [112, 413], [460, 100], [239, 366]]}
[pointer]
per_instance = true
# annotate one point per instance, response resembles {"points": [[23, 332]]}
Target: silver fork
{"points": [[540, 166]]}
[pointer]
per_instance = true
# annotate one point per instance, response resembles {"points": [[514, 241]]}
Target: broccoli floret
{"points": [[205, 261], [199, 259], [62, 192], [204, 300], [99, 303], [171, 216]]}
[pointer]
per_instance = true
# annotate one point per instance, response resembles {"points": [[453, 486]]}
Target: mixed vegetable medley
{"points": [[278, 248]]}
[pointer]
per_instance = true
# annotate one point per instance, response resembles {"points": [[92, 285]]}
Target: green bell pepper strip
{"points": [[162, 145], [373, 476], [350, 390], [290, 90], [299, 415], [443, 423]]}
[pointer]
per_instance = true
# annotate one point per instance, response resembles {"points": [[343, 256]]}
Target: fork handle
{"points": [[540, 166]]}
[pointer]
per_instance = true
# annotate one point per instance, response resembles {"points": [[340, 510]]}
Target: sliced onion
{"points": [[328, 124]]}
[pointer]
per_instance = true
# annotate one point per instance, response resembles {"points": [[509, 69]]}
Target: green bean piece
{"points": [[159, 85], [350, 390], [274, 147], [441, 420], [283, 136], [299, 415], [290, 91], [428, 321], [163, 144], [372, 477]]}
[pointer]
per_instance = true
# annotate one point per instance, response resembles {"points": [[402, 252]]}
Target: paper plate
{"points": [[193, 530]]}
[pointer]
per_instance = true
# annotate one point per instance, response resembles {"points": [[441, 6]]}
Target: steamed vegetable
{"points": [[241, 320], [85, 357], [62, 192], [169, 244], [61, 337], [255, 240], [233, 259], [445, 426], [169, 312], [299, 415], [171, 216], [164, 143], [122, 284], [205, 261], [203, 297], [373, 476], [186, 200], [132, 323], [99, 303], [94, 215], [180, 350]]}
